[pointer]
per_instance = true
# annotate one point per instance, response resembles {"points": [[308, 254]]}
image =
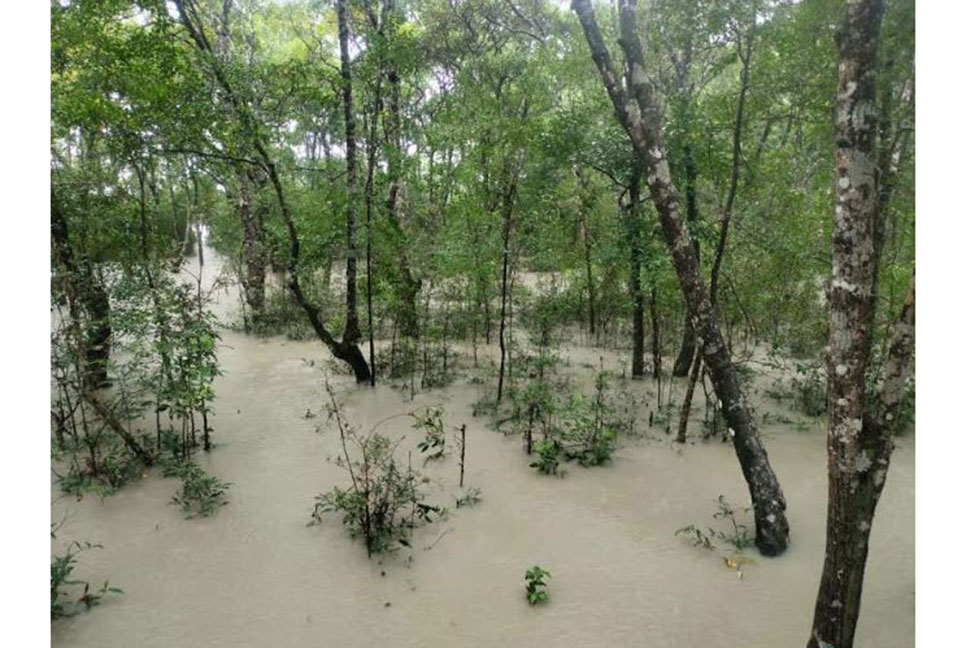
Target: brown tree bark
{"points": [[638, 113], [859, 436], [254, 260]]}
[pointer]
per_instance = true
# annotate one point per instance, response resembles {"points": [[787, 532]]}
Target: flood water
{"points": [[255, 575]]}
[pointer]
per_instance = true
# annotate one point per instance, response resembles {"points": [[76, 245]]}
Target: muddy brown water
{"points": [[255, 575]]}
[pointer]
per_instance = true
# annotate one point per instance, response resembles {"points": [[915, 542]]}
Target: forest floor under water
{"points": [[254, 574]]}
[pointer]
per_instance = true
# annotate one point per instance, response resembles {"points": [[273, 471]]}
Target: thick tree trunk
{"points": [[859, 439], [637, 112], [253, 244]]}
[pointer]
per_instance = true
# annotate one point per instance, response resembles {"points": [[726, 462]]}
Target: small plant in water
{"points": [[548, 457], [61, 568], [470, 498], [536, 584], [201, 494], [433, 445], [697, 537], [739, 536], [383, 502]]}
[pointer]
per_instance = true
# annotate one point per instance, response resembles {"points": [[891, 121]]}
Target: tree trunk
{"points": [[859, 436], [586, 204], [351, 332], [507, 225], [686, 354], [637, 293], [655, 335], [639, 115], [253, 244]]}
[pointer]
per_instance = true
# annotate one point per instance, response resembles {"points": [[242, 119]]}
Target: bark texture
{"points": [[859, 436], [638, 113]]}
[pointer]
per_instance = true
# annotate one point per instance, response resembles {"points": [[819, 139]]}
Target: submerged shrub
{"points": [[536, 584], [384, 502], [62, 603], [200, 492]]}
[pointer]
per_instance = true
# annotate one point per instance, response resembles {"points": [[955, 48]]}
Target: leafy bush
{"points": [[536, 584], [200, 491], [433, 444], [548, 457], [384, 502]]}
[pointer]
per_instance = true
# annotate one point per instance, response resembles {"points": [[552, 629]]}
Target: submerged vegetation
{"points": [[63, 587], [384, 501], [493, 196]]}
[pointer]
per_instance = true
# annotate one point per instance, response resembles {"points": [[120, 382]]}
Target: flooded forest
{"points": [[482, 323]]}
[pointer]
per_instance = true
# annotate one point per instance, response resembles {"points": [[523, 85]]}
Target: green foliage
{"points": [[548, 456], [201, 494], [384, 502], [536, 585], [806, 389], [433, 444], [738, 535], [62, 603]]}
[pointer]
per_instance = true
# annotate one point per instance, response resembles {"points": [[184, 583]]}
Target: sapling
{"points": [[383, 502], [536, 585], [433, 444], [461, 440], [199, 491]]}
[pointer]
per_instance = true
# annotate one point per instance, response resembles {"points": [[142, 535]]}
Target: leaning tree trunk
{"points": [[638, 113], [859, 436]]}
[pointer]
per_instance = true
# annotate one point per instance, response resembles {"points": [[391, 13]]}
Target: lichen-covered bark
{"points": [[859, 438], [254, 261], [638, 113]]}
